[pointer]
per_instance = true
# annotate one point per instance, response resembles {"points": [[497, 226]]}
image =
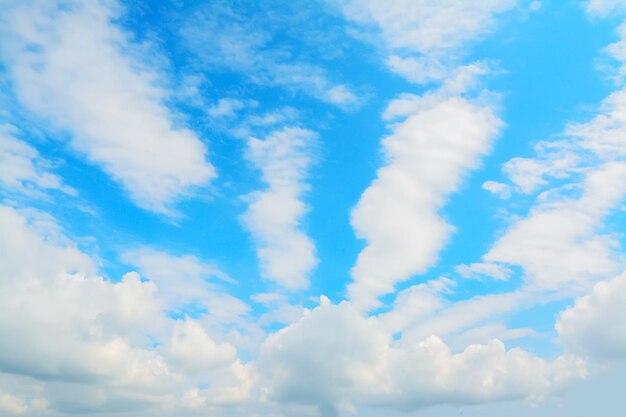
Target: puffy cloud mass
{"points": [[65, 325], [334, 358], [71, 329], [594, 325]]}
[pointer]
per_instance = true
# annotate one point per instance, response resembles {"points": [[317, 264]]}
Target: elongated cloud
{"points": [[274, 216], [427, 157], [73, 66], [566, 225]]}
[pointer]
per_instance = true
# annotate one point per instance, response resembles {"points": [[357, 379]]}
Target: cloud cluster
{"points": [[67, 326], [71, 329], [335, 359]]}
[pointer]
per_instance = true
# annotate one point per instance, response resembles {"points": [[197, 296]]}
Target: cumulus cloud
{"points": [[334, 359], [427, 156], [77, 332], [274, 216], [62, 323], [192, 349], [74, 67], [594, 325]]}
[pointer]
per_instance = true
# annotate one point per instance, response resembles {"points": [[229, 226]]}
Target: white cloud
{"points": [[566, 229], [425, 37], [274, 216], [223, 38], [61, 323], [567, 222], [498, 188], [453, 320], [73, 66], [603, 8], [334, 359], [88, 340], [181, 279], [422, 70], [477, 270], [414, 304], [280, 310], [594, 325], [77, 333], [24, 170], [192, 349], [10, 404], [428, 25], [228, 107], [562, 243], [427, 157], [554, 160]]}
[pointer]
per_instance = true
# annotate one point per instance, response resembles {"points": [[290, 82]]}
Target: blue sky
{"points": [[325, 208]]}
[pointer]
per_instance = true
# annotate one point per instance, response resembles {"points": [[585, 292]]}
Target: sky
{"points": [[324, 208]]}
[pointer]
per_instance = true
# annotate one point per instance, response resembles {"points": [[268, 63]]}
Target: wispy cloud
{"points": [[425, 39], [24, 170], [222, 37]]}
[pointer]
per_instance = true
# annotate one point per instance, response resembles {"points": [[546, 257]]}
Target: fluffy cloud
{"points": [[73, 66], [335, 359], [427, 157], [75, 332], [275, 214], [193, 350], [62, 323], [594, 325], [80, 333]]}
